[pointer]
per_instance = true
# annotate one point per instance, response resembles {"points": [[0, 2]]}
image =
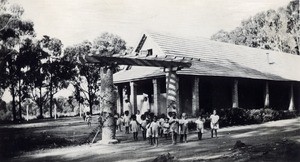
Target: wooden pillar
{"points": [[133, 100], [172, 90], [235, 94], [156, 96], [267, 96], [195, 99], [291, 105], [120, 100]]}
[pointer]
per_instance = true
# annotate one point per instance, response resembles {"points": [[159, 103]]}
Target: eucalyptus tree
{"points": [[273, 29], [13, 30], [87, 80]]}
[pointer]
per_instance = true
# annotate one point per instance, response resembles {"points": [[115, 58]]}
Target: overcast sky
{"points": [[73, 21]]}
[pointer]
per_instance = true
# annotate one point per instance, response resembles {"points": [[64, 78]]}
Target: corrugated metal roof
{"points": [[224, 59]]}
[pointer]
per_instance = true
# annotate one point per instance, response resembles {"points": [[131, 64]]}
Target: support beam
{"points": [[267, 96], [292, 105], [195, 99], [120, 100], [172, 90], [235, 94], [133, 100], [156, 94]]}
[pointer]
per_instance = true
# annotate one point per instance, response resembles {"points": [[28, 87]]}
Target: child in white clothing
{"points": [[149, 133], [127, 122], [183, 128], [214, 123], [154, 130], [200, 126], [166, 128], [134, 127], [173, 127], [143, 126]]}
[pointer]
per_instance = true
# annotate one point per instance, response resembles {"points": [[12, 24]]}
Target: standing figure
{"points": [[149, 132], [134, 127], [174, 127], [183, 127], [138, 117], [126, 122], [143, 126], [214, 123], [200, 126], [128, 107], [154, 130], [145, 105], [120, 122], [166, 128], [161, 123]]}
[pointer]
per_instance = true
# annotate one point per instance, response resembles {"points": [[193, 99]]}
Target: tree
{"points": [[13, 31], [273, 30], [58, 69], [87, 80]]}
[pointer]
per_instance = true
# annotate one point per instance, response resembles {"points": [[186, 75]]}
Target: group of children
{"points": [[153, 127]]}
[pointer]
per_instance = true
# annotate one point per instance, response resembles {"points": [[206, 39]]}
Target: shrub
{"points": [[239, 116], [233, 116]]}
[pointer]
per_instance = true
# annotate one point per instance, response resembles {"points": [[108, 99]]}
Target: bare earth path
{"points": [[272, 141]]}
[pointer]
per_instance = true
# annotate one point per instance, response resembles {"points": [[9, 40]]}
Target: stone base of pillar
{"points": [[107, 142]]}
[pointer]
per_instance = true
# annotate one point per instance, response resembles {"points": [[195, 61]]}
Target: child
{"points": [[166, 127], [161, 123], [119, 123], [88, 118], [214, 123], [148, 133], [134, 127], [143, 126], [127, 122], [154, 130], [183, 129], [138, 117], [200, 126], [173, 127]]}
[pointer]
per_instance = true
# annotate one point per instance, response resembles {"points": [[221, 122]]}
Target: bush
{"points": [[233, 116], [239, 116]]}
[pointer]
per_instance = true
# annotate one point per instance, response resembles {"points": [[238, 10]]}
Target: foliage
{"points": [[106, 44], [273, 30], [13, 30], [240, 116]]}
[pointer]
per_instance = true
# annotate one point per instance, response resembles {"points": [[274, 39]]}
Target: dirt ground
{"points": [[61, 140]]}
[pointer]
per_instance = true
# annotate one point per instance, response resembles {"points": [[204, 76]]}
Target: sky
{"points": [[74, 21]]}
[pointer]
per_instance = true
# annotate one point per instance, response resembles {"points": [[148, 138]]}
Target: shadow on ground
{"points": [[275, 141]]}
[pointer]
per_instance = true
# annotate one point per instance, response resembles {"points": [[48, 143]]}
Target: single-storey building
{"points": [[222, 75]]}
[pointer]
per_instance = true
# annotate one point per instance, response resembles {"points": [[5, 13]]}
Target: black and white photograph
{"points": [[150, 80]]}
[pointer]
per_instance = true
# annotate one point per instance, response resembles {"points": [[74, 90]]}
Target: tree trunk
{"points": [[20, 100], [108, 105], [40, 104], [91, 105], [51, 99], [13, 103]]}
